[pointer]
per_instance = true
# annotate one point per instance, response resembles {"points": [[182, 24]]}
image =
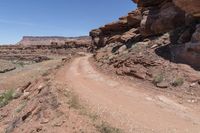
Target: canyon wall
{"points": [[180, 19]]}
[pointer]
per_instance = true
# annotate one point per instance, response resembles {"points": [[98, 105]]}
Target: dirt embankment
{"points": [[42, 106]]}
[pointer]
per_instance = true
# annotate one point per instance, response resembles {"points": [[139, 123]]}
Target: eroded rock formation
{"points": [[154, 18], [190, 6], [150, 41], [121, 31]]}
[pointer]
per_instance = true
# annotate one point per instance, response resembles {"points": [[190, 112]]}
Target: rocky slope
{"points": [[6, 66], [150, 41]]}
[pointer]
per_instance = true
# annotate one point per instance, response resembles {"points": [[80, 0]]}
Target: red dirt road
{"points": [[124, 105]]}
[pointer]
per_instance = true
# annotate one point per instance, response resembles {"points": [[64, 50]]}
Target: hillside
{"points": [[159, 42]]}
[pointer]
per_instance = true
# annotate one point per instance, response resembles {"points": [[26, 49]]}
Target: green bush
{"points": [[178, 82], [158, 78], [73, 100], [106, 128], [6, 97]]}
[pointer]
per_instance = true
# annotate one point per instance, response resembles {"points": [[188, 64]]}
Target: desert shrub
{"points": [[158, 78], [93, 116], [101, 126], [106, 128], [73, 100], [18, 63], [6, 97], [21, 64], [46, 73], [178, 82]]}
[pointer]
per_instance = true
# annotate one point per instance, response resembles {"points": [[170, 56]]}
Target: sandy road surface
{"points": [[125, 106]]}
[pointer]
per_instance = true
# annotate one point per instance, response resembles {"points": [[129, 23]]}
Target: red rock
{"points": [[134, 18], [162, 85], [131, 34], [148, 3], [189, 52], [190, 6], [160, 20]]}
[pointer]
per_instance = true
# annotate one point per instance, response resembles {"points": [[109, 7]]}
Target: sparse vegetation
{"points": [[46, 73], [18, 63], [158, 78], [21, 107], [6, 97], [91, 115], [21, 64], [106, 128], [74, 103], [178, 82], [73, 100], [101, 126]]}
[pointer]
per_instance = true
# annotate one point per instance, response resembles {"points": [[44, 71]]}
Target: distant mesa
{"points": [[54, 40]]}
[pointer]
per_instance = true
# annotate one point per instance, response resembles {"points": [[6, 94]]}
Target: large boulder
{"points": [[132, 34], [189, 52], [196, 35], [189, 6], [134, 18], [157, 20]]}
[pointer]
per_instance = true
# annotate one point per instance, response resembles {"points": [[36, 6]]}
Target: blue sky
{"points": [[57, 17]]}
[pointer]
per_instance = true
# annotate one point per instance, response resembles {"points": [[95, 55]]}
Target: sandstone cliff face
{"points": [[154, 18], [190, 6], [160, 19], [151, 41], [117, 31]]}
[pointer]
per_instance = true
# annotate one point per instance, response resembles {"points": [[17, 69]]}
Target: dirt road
{"points": [[124, 104]]}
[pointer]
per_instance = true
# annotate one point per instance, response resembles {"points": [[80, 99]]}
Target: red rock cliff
{"points": [[153, 18]]}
